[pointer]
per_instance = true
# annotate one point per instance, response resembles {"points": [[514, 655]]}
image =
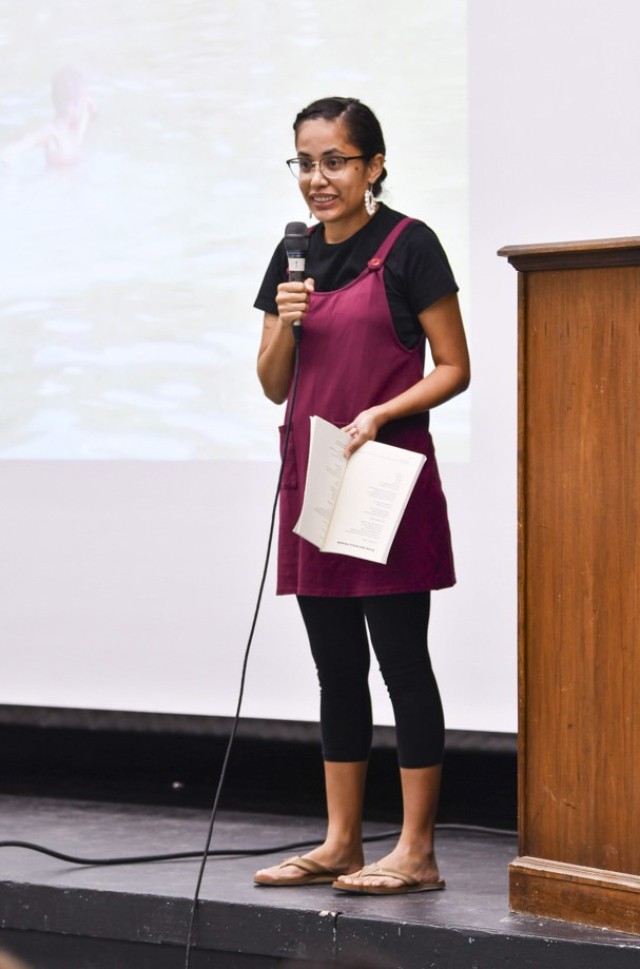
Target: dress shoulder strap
{"points": [[378, 259]]}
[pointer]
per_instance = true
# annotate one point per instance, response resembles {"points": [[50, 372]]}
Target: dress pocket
{"points": [[290, 470]]}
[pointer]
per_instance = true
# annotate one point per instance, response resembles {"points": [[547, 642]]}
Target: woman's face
{"points": [[337, 202]]}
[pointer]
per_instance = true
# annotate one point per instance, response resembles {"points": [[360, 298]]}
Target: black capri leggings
{"points": [[397, 624]]}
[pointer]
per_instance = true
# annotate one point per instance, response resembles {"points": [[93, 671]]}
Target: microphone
{"points": [[296, 245]]}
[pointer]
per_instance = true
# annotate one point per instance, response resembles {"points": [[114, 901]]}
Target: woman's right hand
{"points": [[292, 300], [276, 353]]}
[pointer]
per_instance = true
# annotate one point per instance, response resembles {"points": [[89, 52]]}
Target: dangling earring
{"points": [[370, 203]]}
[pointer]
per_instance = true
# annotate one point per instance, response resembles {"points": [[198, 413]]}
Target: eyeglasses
{"points": [[332, 166]]}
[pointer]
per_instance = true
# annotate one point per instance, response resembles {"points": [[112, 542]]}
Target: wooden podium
{"points": [[579, 582]]}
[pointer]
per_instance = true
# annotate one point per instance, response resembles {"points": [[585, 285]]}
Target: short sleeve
{"points": [[276, 273], [419, 268], [417, 274]]}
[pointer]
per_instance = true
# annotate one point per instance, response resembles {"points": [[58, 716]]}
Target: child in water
{"points": [[62, 138]]}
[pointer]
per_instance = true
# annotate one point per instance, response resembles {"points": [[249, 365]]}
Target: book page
{"points": [[325, 470], [375, 490]]}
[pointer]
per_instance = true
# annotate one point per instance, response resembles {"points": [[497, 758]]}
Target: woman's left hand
{"points": [[363, 428]]}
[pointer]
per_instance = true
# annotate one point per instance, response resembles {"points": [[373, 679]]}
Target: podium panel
{"points": [[579, 583]]}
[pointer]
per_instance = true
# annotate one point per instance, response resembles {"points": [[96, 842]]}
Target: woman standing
{"points": [[379, 289]]}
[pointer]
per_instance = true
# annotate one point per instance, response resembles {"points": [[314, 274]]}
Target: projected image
{"points": [[142, 189]]}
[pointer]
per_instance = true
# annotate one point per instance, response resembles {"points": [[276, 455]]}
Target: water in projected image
{"points": [[113, 335], [127, 185]]}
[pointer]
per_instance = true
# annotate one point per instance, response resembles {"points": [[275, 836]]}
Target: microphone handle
{"points": [[296, 265], [297, 275]]}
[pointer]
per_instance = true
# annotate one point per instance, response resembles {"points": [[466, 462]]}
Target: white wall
{"points": [[553, 140], [131, 585]]}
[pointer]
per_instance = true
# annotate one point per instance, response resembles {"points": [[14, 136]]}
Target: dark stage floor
{"points": [[56, 915]]}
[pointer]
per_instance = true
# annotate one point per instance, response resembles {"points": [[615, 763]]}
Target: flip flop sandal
{"points": [[311, 873], [409, 884]]}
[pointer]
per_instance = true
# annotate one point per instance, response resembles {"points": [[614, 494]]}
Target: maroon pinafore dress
{"points": [[351, 359]]}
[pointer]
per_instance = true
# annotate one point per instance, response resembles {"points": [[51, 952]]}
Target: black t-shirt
{"points": [[416, 272]]}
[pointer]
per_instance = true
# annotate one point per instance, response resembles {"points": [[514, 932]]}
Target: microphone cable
{"points": [[116, 861], [207, 852], [297, 333]]}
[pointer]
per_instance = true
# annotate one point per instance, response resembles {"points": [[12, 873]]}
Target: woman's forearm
{"points": [[275, 359], [441, 384], [277, 348], [442, 325]]}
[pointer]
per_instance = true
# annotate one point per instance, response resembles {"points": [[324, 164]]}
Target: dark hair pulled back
{"points": [[363, 128]]}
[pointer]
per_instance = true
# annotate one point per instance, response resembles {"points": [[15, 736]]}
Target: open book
{"points": [[354, 506]]}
